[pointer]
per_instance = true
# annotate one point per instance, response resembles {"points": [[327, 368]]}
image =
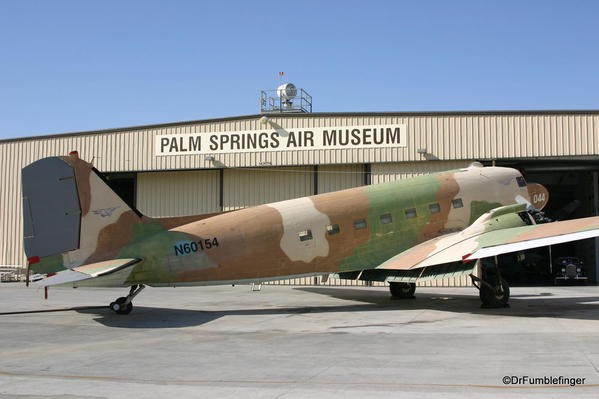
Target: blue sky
{"points": [[81, 65]]}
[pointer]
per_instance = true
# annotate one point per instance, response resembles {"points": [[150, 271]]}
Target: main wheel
{"points": [[402, 290], [119, 307], [495, 297]]}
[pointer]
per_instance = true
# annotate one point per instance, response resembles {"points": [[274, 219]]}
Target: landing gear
{"points": [[402, 290], [494, 291], [123, 305], [497, 296]]}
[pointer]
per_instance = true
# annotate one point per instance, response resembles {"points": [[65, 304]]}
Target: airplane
{"points": [[80, 233]]}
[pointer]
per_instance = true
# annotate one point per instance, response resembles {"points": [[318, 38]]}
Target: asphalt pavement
{"points": [[295, 342]]}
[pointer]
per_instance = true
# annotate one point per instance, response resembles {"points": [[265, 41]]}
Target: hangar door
{"points": [[181, 193], [573, 186], [339, 177], [249, 187]]}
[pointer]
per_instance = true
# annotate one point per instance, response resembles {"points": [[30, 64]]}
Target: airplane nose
{"points": [[539, 196]]}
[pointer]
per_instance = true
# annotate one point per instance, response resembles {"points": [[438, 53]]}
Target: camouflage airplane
{"points": [[80, 233]]}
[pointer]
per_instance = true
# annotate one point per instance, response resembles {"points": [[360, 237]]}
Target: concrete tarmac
{"points": [[296, 342]]}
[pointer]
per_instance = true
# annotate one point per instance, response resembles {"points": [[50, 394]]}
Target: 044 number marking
{"points": [[183, 248]]}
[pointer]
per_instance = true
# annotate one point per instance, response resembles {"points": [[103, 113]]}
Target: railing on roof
{"points": [[270, 102]]}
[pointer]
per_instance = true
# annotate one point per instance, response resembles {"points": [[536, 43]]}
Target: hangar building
{"points": [[210, 165]]}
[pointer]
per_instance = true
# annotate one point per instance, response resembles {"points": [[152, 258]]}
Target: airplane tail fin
{"points": [[70, 215]]}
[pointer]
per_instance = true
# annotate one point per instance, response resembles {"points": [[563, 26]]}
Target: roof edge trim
{"points": [[305, 115]]}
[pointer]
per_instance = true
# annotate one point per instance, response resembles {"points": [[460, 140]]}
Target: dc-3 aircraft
{"points": [[80, 233]]}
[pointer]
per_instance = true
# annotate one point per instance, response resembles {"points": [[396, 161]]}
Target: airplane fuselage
{"points": [[342, 231], [79, 232]]}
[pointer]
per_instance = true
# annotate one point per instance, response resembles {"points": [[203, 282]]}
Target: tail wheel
{"points": [[402, 290], [496, 297], [119, 306], [124, 305]]}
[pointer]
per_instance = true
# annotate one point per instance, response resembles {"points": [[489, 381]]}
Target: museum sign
{"points": [[322, 138]]}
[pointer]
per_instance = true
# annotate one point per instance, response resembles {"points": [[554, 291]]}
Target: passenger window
{"points": [[521, 182], [333, 229], [457, 203], [305, 235], [386, 218], [360, 224], [410, 213], [434, 208]]}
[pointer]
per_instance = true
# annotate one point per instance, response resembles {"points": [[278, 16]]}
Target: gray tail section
{"points": [[67, 204], [51, 208]]}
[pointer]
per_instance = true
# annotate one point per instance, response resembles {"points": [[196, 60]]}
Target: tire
{"points": [[494, 298], [118, 308], [402, 290], [127, 310]]}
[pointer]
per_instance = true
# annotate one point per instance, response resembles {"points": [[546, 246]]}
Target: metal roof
{"points": [[307, 115]]}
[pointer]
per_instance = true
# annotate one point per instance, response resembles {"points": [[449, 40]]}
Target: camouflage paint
{"points": [[477, 208], [262, 242], [48, 264], [385, 240]]}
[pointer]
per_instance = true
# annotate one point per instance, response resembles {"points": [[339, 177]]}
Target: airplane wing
{"points": [[110, 273], [475, 243]]}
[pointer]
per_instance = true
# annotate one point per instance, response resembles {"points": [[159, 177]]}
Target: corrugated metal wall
{"points": [[445, 136], [384, 172], [339, 177], [182, 193], [247, 187]]}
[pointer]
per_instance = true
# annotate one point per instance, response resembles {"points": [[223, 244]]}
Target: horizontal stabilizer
{"points": [[90, 271]]}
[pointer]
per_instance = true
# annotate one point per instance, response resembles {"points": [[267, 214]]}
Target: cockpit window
{"points": [[521, 182]]}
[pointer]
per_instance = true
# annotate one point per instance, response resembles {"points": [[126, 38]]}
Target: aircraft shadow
{"points": [[538, 305], [152, 317], [543, 304]]}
